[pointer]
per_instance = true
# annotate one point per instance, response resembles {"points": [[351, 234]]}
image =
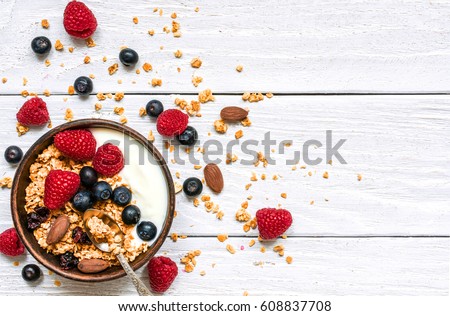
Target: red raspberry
{"points": [[77, 144], [79, 21], [273, 222], [108, 160], [33, 113], [10, 243], [161, 273], [60, 186], [172, 122]]}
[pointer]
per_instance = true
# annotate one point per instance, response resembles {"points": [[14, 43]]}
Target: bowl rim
{"points": [[91, 123]]}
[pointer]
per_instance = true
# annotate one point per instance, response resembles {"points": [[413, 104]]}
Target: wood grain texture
{"points": [[325, 266], [299, 46], [398, 144]]}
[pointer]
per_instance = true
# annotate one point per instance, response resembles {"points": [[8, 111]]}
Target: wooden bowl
{"points": [[19, 215]]}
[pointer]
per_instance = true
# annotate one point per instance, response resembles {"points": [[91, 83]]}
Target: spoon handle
{"points": [[138, 284]]}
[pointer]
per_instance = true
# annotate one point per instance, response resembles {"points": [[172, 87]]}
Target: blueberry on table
{"points": [[83, 200], [188, 137], [154, 108], [102, 191], [31, 272], [83, 85], [41, 45], [192, 186], [146, 230], [131, 215], [88, 176], [13, 154], [121, 196], [128, 57]]}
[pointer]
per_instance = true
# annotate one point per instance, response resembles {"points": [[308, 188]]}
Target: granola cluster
{"points": [[51, 158]]}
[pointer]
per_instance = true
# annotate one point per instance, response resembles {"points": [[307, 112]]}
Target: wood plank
{"points": [[399, 144], [325, 266], [300, 46]]}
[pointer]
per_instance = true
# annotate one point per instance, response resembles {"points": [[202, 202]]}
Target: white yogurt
{"points": [[143, 174]]}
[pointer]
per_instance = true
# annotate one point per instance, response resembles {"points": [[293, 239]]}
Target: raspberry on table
{"points": [[273, 222], [172, 122], [10, 243], [33, 113], [79, 21], [162, 271]]}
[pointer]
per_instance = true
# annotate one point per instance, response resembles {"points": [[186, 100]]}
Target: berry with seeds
{"points": [[13, 154], [131, 215], [83, 200], [68, 261], [172, 122], [31, 272], [60, 186], [10, 243], [188, 137], [41, 45], [83, 85], [79, 21], [273, 222], [162, 271], [33, 113], [146, 230], [154, 108], [88, 176], [102, 191], [192, 186], [121, 196], [108, 160], [78, 144], [128, 57]]}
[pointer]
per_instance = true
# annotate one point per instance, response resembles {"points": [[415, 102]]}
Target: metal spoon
{"points": [[107, 220]]}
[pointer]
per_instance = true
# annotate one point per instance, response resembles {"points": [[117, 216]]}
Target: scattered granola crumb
{"points": [[173, 15], [222, 237], [311, 202], [197, 9], [151, 137], [174, 237], [359, 177], [118, 96], [147, 67], [90, 42], [135, 20], [138, 71], [98, 106], [177, 34], [251, 243], [87, 59], [230, 249], [178, 53], [196, 80], [252, 97], [47, 63], [189, 260], [220, 126], [119, 110], [113, 68], [239, 68], [196, 62], [289, 259], [197, 167], [21, 129], [279, 249], [283, 195], [178, 69], [205, 96], [175, 26], [262, 249], [275, 177], [325, 175], [203, 273], [24, 81], [151, 32], [253, 177], [178, 187], [245, 293], [161, 47], [246, 122], [46, 92], [59, 45], [161, 12], [247, 186], [109, 95], [142, 112], [71, 49], [4, 80], [242, 215], [156, 82], [239, 134], [57, 283], [45, 24], [104, 58], [123, 120], [6, 182], [25, 93], [69, 115], [196, 202], [269, 95], [101, 96]]}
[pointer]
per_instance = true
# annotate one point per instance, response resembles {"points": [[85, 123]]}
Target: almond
{"points": [[92, 265], [233, 113], [213, 177], [58, 229]]}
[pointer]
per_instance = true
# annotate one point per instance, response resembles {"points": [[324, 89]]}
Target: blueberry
{"points": [[121, 196], [41, 45], [83, 85], [88, 176], [131, 215], [31, 272], [154, 108], [146, 230], [83, 200], [192, 186], [13, 154], [188, 137], [102, 191], [128, 57]]}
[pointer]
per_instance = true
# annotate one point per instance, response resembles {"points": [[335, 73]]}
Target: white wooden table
{"points": [[374, 72]]}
